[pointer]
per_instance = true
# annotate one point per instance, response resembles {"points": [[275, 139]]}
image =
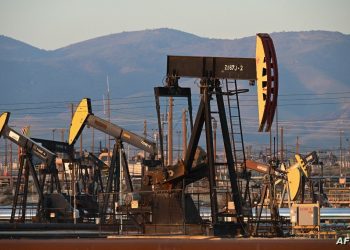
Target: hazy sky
{"points": [[49, 24]]}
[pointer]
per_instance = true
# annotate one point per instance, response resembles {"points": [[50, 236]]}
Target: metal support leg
{"points": [[111, 179], [25, 190], [210, 156], [236, 196], [195, 135], [261, 204], [159, 127], [38, 187], [18, 185], [126, 170]]}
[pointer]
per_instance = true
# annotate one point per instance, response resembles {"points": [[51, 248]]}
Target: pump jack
{"points": [[85, 196], [84, 116], [210, 70], [29, 149], [298, 174], [271, 175], [294, 183]]}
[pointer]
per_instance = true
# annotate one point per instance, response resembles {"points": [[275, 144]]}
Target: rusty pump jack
{"points": [[29, 149], [272, 175], [298, 174], [294, 184], [210, 70]]}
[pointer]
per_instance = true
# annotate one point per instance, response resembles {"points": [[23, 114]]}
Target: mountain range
{"points": [[312, 64]]}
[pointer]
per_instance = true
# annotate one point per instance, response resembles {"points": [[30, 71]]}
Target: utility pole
{"points": [[81, 143], [215, 125], [62, 134], [105, 113], [347, 159], [249, 150], [270, 148], [5, 152], [155, 137], [297, 146], [170, 132], [341, 152], [282, 146], [184, 134], [144, 152], [274, 148], [144, 134], [93, 140], [11, 166], [72, 169], [163, 135], [179, 144], [62, 139], [109, 117]]}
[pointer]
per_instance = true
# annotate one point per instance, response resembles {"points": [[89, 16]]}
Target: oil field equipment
{"points": [[84, 116], [293, 179], [305, 219], [214, 72], [159, 185], [298, 176], [272, 223], [32, 150], [162, 204], [267, 80], [81, 179]]}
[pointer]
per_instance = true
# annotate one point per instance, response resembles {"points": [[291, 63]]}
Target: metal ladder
{"points": [[237, 141], [236, 126]]}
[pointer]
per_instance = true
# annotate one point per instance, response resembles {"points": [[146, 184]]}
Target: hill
{"points": [[312, 62]]}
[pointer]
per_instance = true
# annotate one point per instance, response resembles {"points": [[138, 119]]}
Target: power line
{"points": [[151, 96]]}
